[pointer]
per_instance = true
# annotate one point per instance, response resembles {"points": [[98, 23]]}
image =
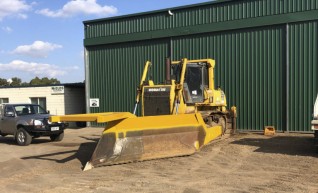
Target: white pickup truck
{"points": [[27, 121]]}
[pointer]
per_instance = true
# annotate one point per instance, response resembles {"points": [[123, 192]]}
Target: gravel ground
{"points": [[246, 162]]}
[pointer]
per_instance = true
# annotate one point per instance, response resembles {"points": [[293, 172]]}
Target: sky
{"points": [[44, 38]]}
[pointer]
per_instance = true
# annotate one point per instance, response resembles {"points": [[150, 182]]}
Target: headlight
{"points": [[38, 123]]}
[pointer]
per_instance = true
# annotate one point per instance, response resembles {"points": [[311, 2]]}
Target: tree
{"points": [[16, 81], [44, 81], [54, 81], [35, 81], [3, 82], [25, 84]]}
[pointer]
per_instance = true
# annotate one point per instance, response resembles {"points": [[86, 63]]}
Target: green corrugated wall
{"points": [[115, 72], [248, 68], [211, 12], [265, 51], [303, 61]]}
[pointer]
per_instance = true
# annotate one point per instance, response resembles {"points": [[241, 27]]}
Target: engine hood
{"points": [[37, 116]]}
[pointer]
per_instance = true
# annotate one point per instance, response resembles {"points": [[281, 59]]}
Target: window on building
{"points": [[4, 100], [39, 101]]}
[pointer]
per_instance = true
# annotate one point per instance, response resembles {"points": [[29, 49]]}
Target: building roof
{"points": [[67, 85], [208, 17], [159, 11]]}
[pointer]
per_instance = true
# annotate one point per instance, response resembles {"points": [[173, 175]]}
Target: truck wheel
{"points": [[57, 137], [22, 137]]}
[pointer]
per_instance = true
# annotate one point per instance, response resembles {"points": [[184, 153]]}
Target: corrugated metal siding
{"points": [[248, 68], [252, 63], [115, 72], [303, 74], [208, 13]]}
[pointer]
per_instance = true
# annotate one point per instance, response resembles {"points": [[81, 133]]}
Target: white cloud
{"points": [[76, 7], [38, 49], [37, 69], [22, 16], [7, 29], [13, 8]]}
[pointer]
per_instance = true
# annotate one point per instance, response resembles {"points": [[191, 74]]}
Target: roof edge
{"points": [[78, 85], [207, 28], [157, 11]]}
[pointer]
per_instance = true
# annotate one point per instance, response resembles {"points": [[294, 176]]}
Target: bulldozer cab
{"points": [[189, 88], [195, 82]]}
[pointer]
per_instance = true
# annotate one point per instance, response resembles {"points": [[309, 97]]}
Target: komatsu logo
{"points": [[160, 89]]}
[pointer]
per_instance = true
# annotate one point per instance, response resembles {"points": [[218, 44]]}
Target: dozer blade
{"points": [[152, 137]]}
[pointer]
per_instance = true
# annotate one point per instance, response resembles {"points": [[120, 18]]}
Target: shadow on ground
{"points": [[11, 141], [292, 145], [83, 154], [7, 140]]}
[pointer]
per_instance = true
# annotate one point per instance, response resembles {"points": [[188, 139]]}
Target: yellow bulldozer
{"points": [[177, 117]]}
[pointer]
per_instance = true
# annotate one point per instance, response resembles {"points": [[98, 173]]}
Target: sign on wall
{"points": [[57, 90], [94, 102]]}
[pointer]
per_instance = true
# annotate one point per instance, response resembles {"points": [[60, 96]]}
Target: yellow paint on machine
{"points": [[178, 117], [164, 122], [152, 137], [98, 117]]}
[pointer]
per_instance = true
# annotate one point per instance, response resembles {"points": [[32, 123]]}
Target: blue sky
{"points": [[44, 38]]}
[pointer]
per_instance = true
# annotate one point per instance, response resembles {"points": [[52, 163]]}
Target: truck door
{"points": [[7, 120]]}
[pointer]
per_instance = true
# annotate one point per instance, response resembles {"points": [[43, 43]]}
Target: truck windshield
{"points": [[29, 109]]}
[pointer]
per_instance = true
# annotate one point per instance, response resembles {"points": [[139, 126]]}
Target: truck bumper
{"points": [[46, 130]]}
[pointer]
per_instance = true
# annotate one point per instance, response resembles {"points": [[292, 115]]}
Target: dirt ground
{"points": [[243, 163]]}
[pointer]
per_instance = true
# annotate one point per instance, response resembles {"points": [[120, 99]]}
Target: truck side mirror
{"points": [[48, 112], [9, 114]]}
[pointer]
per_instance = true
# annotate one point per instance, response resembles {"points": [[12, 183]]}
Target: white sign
{"points": [[57, 89], [94, 102]]}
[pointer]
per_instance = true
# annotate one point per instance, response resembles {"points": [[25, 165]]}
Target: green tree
{"points": [[25, 84], [44, 81], [35, 81], [54, 81], [16, 81], [3, 82]]}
